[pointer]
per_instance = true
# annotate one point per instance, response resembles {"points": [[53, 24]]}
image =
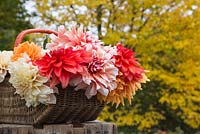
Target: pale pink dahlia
{"points": [[100, 75], [75, 38]]}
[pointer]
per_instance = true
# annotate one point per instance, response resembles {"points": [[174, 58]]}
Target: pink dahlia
{"points": [[60, 65], [127, 64], [76, 38], [100, 75]]}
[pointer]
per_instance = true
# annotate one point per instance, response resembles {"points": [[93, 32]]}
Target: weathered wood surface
{"points": [[94, 127]]}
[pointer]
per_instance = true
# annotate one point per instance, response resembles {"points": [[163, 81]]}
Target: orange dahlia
{"points": [[32, 50], [124, 90]]}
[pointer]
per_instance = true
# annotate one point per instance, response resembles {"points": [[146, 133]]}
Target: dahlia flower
{"points": [[29, 84], [129, 79], [124, 90], [75, 38], [4, 61], [100, 75], [127, 64], [60, 65], [32, 50]]}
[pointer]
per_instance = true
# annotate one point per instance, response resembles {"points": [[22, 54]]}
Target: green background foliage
{"points": [[13, 19], [165, 35]]}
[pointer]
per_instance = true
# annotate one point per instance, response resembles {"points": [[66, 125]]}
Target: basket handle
{"points": [[28, 31]]}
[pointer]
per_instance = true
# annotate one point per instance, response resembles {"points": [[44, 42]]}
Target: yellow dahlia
{"points": [[29, 84], [124, 90], [4, 61], [31, 49]]}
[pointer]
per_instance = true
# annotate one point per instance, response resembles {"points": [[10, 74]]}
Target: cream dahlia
{"points": [[5, 58], [29, 84]]}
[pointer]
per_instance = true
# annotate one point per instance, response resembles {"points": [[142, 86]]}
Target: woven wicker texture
{"points": [[72, 106]]}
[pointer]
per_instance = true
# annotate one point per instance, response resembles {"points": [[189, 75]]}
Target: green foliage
{"points": [[166, 36], [13, 20]]}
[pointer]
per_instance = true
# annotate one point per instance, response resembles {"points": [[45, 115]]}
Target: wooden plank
{"points": [[58, 129], [79, 131], [115, 130], [16, 129], [93, 127], [23, 130], [109, 128], [5, 130], [97, 127], [37, 131]]}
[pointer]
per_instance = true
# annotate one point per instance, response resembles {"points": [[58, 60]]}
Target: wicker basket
{"points": [[71, 106]]}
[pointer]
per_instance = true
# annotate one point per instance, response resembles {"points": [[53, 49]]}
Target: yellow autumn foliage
{"points": [[166, 36]]}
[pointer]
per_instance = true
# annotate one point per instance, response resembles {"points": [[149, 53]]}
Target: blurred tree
{"points": [[13, 20], [166, 36]]}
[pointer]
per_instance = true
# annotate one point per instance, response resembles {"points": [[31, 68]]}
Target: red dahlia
{"points": [[60, 65], [127, 64]]}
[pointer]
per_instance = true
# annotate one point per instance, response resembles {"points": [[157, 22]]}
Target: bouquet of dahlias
{"points": [[72, 58]]}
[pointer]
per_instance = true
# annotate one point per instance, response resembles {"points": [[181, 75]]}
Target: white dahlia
{"points": [[4, 61], [29, 84]]}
